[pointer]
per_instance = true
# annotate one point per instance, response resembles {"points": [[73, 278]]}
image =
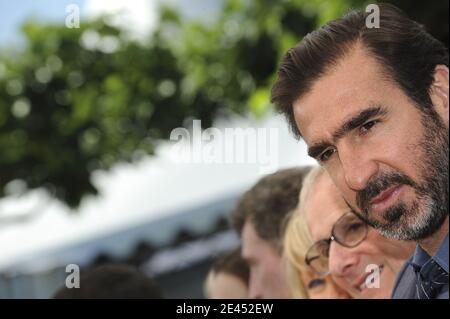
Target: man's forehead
{"points": [[334, 96], [320, 113], [253, 246]]}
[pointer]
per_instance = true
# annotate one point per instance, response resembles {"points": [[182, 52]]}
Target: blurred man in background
{"points": [[258, 218], [228, 277], [372, 104]]}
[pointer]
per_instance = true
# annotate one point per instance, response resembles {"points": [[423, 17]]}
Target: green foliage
{"points": [[77, 100]]}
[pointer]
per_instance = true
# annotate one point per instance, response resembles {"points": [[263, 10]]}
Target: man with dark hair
{"points": [[372, 106], [228, 277], [112, 281], [258, 218]]}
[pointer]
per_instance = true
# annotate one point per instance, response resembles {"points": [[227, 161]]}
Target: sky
{"points": [[13, 13], [129, 194], [138, 14]]}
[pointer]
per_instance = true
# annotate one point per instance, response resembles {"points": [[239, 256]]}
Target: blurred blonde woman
{"points": [[303, 281]]}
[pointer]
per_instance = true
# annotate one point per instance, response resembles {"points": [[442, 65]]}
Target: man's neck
{"points": [[431, 244]]}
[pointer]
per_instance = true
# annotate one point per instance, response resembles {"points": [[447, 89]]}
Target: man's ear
{"points": [[439, 92]]}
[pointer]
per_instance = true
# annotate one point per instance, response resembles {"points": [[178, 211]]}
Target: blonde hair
{"points": [[297, 238], [308, 184]]}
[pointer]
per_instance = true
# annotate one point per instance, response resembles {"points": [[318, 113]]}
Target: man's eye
{"points": [[316, 283], [368, 126], [325, 156]]}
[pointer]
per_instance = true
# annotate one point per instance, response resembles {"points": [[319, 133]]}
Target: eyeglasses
{"points": [[348, 231]]}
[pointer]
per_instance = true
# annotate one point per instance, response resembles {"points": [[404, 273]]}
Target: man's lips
{"points": [[385, 198]]}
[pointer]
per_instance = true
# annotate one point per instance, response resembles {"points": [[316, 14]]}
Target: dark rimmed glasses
{"points": [[348, 231]]}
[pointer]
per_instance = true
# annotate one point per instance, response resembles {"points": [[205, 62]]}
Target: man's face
{"points": [[348, 266], [388, 159], [266, 269]]}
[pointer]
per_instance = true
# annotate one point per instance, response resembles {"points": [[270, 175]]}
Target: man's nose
{"points": [[357, 167]]}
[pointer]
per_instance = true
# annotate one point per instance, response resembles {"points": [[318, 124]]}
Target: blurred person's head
{"points": [[258, 219], [372, 106], [345, 246], [303, 281], [228, 277], [112, 281]]}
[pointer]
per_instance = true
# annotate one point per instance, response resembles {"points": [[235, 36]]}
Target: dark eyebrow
{"points": [[358, 120], [317, 149], [349, 125]]}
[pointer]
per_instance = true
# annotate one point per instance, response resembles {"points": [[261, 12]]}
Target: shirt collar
{"points": [[441, 257]]}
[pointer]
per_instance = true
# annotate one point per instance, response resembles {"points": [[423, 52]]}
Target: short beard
{"points": [[431, 208]]}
